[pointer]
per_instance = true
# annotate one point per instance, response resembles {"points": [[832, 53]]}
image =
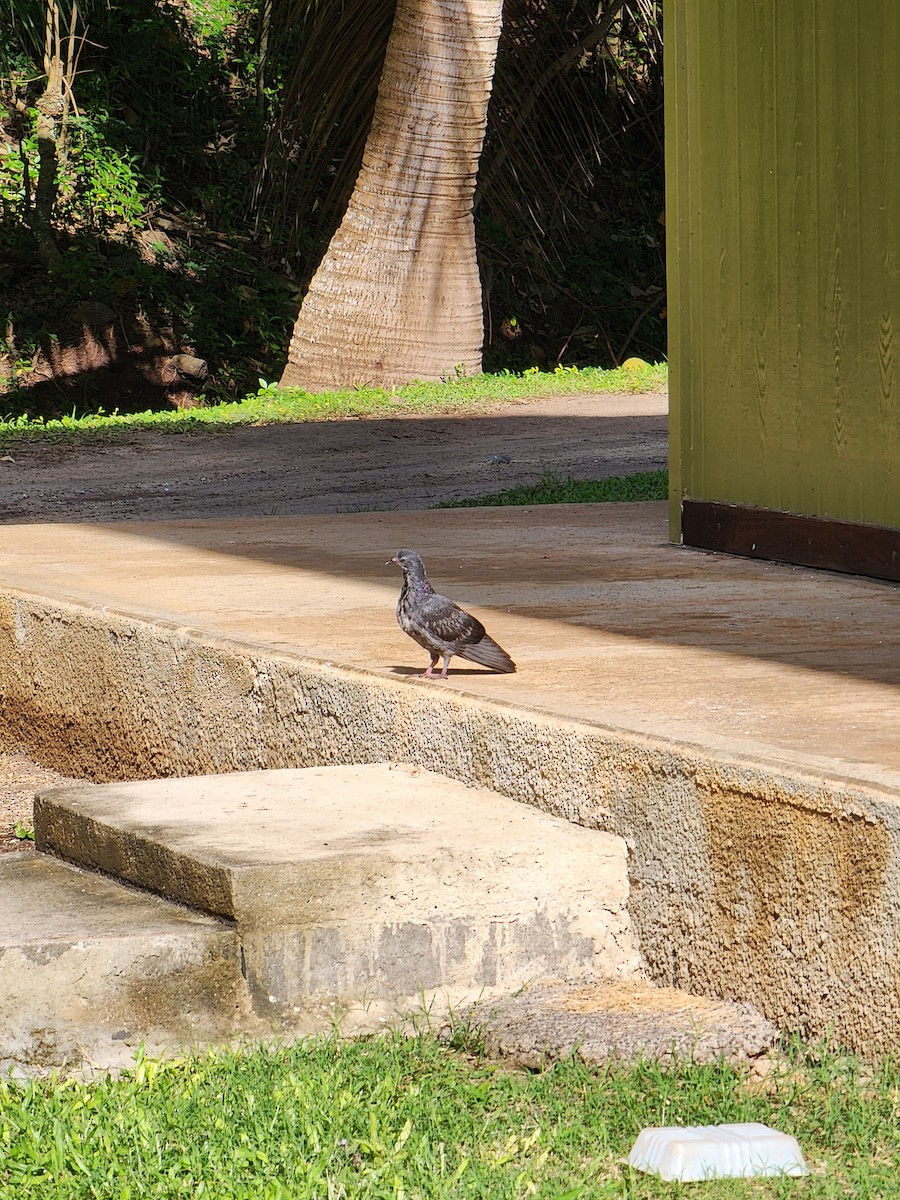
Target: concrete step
{"points": [[90, 969], [369, 887]]}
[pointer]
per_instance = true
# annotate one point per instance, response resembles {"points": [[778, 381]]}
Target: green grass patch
{"points": [[272, 405], [413, 1117], [551, 489]]}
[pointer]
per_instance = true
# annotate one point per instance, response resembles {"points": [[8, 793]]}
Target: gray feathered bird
{"points": [[441, 626]]}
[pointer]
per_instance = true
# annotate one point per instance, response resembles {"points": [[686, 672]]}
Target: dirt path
{"points": [[20, 780], [335, 466]]}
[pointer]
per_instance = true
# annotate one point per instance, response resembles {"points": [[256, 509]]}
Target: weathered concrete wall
{"points": [[749, 880]]}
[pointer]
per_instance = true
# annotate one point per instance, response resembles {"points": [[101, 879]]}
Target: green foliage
{"points": [[20, 157], [645, 485], [22, 26], [101, 187], [394, 1116], [155, 177], [212, 19]]}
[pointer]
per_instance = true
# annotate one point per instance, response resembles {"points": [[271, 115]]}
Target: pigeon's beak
{"points": [[392, 560]]}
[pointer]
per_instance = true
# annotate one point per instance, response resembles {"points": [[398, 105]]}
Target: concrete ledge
{"points": [[371, 881], [750, 878]]}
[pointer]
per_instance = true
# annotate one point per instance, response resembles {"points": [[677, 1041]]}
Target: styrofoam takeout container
{"points": [[692, 1153]]}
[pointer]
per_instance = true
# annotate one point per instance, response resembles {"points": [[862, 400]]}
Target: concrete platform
{"points": [[735, 721], [607, 621], [366, 884]]}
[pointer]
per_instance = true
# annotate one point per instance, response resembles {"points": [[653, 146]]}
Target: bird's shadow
{"points": [[412, 672]]}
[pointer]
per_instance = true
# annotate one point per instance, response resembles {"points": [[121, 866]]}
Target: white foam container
{"points": [[696, 1152]]}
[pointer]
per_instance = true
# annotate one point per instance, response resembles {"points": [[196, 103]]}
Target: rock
{"points": [[189, 369], [610, 1021]]}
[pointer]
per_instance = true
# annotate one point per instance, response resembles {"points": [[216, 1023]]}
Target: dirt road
{"points": [[334, 466]]}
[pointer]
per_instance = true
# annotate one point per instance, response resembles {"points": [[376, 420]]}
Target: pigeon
{"points": [[441, 626]]}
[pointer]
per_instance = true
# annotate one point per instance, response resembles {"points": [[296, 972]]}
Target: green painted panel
{"points": [[783, 221]]}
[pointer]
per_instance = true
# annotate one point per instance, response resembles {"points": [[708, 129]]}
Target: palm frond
{"points": [[333, 51], [562, 95], [21, 30], [570, 186], [24, 23]]}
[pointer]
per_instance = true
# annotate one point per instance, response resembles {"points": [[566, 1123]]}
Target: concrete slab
{"points": [[90, 970], [381, 881]]}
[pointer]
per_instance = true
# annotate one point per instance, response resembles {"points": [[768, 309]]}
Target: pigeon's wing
{"points": [[447, 623], [488, 654]]}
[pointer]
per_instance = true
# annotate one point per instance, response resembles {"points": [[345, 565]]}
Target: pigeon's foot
{"points": [[429, 674]]}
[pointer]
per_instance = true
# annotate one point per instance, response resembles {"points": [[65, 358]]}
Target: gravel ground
{"points": [[20, 780]]}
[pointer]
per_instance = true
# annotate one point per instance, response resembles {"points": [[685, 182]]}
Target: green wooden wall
{"points": [[783, 227]]}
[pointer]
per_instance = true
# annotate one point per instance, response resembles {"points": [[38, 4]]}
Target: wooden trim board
{"points": [[788, 537]]}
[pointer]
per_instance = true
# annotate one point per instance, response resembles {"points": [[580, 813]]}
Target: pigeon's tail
{"points": [[488, 654]]}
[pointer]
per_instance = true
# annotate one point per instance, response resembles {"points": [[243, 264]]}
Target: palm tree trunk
{"points": [[397, 296]]}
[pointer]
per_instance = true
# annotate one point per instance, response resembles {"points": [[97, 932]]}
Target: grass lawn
{"points": [[415, 1117], [271, 405], [644, 485]]}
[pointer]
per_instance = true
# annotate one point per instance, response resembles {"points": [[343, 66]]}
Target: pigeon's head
{"points": [[410, 562]]}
